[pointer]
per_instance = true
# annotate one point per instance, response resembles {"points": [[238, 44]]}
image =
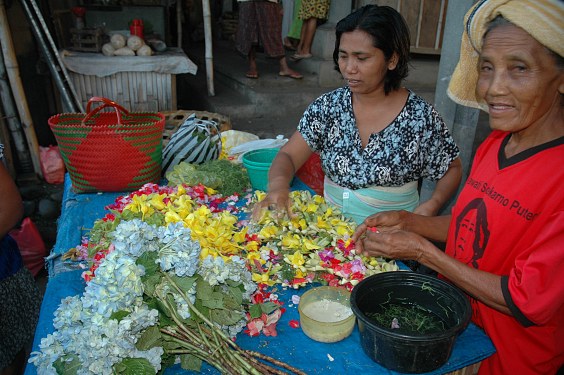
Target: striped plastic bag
{"points": [[195, 141]]}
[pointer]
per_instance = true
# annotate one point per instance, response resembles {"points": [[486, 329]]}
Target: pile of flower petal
{"points": [[170, 267], [314, 245]]}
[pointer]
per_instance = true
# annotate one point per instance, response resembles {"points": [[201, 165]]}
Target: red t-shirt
{"points": [[509, 220]]}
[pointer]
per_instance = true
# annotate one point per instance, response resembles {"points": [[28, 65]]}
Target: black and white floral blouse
{"points": [[416, 144]]}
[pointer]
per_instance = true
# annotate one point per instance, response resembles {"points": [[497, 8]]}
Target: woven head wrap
{"points": [[542, 19]]}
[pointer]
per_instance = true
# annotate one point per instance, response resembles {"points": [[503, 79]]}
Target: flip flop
{"points": [[298, 57], [291, 75], [252, 75]]}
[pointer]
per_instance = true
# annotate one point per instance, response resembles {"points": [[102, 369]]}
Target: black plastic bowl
{"points": [[411, 353]]}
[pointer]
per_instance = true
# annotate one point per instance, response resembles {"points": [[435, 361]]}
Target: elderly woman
{"points": [[505, 237]]}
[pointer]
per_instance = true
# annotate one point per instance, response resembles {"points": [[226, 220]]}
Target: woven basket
{"points": [[109, 151]]}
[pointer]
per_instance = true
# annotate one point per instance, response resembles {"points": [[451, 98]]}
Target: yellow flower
{"points": [[291, 241], [172, 217], [260, 195], [239, 237], [157, 201], [312, 207], [296, 259], [269, 232], [255, 255], [309, 244]]}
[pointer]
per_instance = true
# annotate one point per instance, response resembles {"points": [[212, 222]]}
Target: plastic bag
{"points": [[52, 165], [195, 141], [32, 247], [232, 138], [311, 174], [278, 142]]}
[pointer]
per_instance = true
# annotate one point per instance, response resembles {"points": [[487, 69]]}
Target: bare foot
{"points": [[290, 74]]}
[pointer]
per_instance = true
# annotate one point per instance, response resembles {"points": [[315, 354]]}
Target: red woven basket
{"points": [[109, 151]]}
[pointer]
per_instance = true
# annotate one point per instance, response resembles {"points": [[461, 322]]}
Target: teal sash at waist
{"points": [[361, 203]]}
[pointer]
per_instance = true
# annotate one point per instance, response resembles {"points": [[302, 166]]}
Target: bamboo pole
{"points": [[12, 121], [64, 82], [11, 64], [69, 104], [5, 140], [209, 46]]}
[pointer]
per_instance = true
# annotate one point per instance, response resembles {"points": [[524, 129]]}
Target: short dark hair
{"points": [[390, 34]]}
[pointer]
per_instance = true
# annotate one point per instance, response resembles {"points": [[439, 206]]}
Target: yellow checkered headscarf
{"points": [[542, 19]]}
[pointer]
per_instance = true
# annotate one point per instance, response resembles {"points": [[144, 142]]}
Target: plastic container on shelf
{"points": [[136, 28]]}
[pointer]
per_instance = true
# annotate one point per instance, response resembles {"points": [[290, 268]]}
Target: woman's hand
{"points": [[276, 200], [380, 222], [394, 244]]}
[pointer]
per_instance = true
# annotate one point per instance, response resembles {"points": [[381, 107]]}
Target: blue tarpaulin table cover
{"points": [[78, 213]]}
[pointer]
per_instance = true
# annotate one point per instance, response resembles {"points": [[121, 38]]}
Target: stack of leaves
{"points": [[222, 175]]}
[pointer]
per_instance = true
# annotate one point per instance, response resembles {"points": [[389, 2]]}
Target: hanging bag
{"points": [[113, 150]]}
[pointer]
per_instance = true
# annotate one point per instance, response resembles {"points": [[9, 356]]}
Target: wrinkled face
{"points": [[518, 79], [362, 65]]}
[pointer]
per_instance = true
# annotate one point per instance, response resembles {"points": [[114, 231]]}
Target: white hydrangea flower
{"points": [[179, 253]]}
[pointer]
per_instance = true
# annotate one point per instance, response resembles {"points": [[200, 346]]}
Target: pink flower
{"points": [[326, 255]]}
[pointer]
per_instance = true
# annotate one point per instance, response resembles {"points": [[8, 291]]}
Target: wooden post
{"points": [[209, 46], [179, 16], [460, 120], [11, 63]]}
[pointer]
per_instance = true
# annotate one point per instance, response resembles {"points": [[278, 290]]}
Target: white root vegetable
{"points": [[144, 50], [118, 41], [124, 51], [134, 42], [108, 49]]}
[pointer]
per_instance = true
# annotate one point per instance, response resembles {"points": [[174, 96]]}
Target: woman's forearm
{"points": [[434, 228], [445, 188], [484, 286], [11, 207], [281, 172]]}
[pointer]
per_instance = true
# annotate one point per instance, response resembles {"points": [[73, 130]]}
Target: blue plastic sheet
{"points": [[79, 211]]}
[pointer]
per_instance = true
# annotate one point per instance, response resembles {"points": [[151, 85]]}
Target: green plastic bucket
{"points": [[257, 163]]}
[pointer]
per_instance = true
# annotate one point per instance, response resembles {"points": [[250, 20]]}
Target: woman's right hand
{"points": [[382, 221], [276, 200]]}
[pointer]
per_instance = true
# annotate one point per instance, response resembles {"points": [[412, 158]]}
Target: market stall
{"points": [[291, 345], [140, 83]]}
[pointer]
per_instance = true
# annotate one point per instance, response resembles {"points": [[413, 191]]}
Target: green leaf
{"points": [[203, 290], [214, 300], [184, 283], [147, 260], [190, 362], [269, 307], [255, 311], [150, 283], [119, 315], [67, 365], [237, 295], [135, 366], [226, 317], [149, 338]]}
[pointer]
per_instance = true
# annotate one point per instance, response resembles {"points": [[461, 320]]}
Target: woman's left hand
{"points": [[394, 244]]}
